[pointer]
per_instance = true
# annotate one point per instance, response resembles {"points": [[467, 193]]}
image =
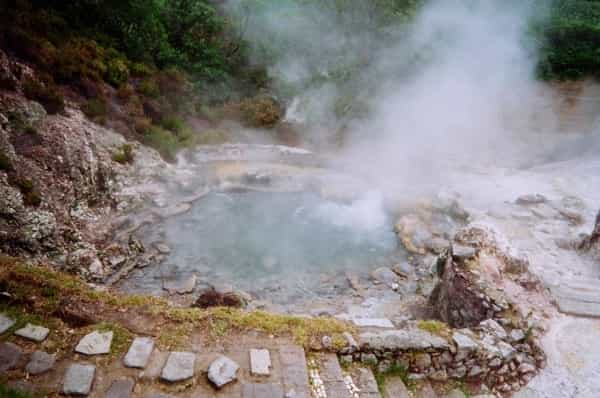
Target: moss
{"points": [[117, 72], [172, 123], [45, 93], [434, 327], [5, 163], [124, 154]]}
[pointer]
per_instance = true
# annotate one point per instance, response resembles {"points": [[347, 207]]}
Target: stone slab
{"points": [[33, 332], [139, 353], [382, 323], [155, 365], [40, 362], [366, 383], [95, 343], [332, 376], [9, 356], [294, 370], [405, 339], [122, 388], [260, 362], [394, 387], [179, 367], [262, 390], [79, 379], [5, 323], [222, 371]]}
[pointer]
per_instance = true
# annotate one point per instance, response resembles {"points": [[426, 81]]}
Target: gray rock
{"points": [[5, 323], [494, 328], [462, 252], [439, 375], [526, 368], [394, 388], [139, 353], [222, 371], [464, 342], [327, 342], [422, 360], [476, 371], [9, 356], [370, 322], [406, 339], [79, 379], [350, 342], [181, 287], [40, 362], [33, 332], [155, 365], [386, 276], [179, 367], [456, 393], [162, 248], [506, 350], [260, 362], [403, 269], [95, 343], [158, 395], [517, 335], [120, 389]]}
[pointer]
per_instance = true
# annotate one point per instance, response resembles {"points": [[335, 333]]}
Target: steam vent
{"points": [[299, 199]]}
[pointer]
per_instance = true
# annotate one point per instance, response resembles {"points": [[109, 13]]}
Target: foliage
{"points": [[5, 163], [96, 109], [7, 392], [163, 141], [46, 93], [124, 154], [261, 111]]}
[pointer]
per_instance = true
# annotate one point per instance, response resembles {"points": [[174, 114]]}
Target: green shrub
{"points": [[261, 111], [124, 154], [163, 141], [96, 109], [117, 72], [172, 123], [149, 88], [46, 94], [138, 69], [5, 163]]}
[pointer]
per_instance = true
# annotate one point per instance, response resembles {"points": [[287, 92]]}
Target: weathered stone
{"points": [[526, 368], [260, 362], [494, 328], [517, 335], [476, 371], [78, 379], [458, 373], [531, 199], [139, 353], [462, 252], [371, 322], [424, 390], [506, 350], [294, 371], [5, 323], [179, 367], [351, 343], [327, 342], [456, 393], [422, 360], [439, 375], [406, 339], [162, 248], [155, 365], [95, 343], [385, 275], [260, 390], [495, 363], [9, 356], [464, 342], [33, 332], [222, 371], [40, 362], [403, 269], [122, 388], [394, 388], [181, 287]]}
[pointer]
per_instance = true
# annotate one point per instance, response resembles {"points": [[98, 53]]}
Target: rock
{"points": [[456, 393], [402, 340], [464, 342], [139, 353], [86, 263], [422, 361], [162, 248], [40, 362], [506, 350], [78, 379], [425, 390], [531, 199], [95, 343], [9, 356], [32, 332], [179, 367], [158, 395], [394, 388], [476, 371], [222, 371], [181, 287], [351, 343], [439, 375], [517, 335], [368, 358], [402, 269], [155, 365], [462, 252], [385, 275], [526, 368], [122, 388], [382, 323], [494, 328], [260, 362], [5, 323]]}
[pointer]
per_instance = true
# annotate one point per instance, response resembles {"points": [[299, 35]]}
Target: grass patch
{"points": [[435, 327], [393, 371], [7, 392], [124, 154], [122, 337]]}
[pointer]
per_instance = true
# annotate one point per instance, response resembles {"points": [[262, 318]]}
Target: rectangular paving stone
{"points": [[5, 323], [95, 343], [179, 367], [262, 390], [139, 353], [122, 388], [260, 362], [40, 362], [79, 379], [294, 370], [33, 332], [332, 376], [365, 381]]}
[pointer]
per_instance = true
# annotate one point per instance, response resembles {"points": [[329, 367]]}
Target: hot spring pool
{"points": [[282, 246]]}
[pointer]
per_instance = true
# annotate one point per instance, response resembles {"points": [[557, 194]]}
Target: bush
{"points": [[5, 163], [46, 94], [142, 125], [261, 111], [117, 72], [149, 88], [96, 109], [124, 154], [163, 141], [138, 69], [125, 92], [172, 123]]}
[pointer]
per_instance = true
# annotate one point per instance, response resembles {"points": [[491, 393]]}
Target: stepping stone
{"points": [[332, 376], [294, 370], [33, 332], [155, 365], [179, 367], [79, 379], [394, 387], [40, 362], [139, 353], [95, 343], [5, 323], [366, 383], [9, 356], [262, 390], [222, 371], [260, 362], [120, 389]]}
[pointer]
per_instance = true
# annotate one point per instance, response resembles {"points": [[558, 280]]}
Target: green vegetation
{"points": [[124, 154], [7, 392], [394, 371], [96, 109], [5, 163], [435, 327]]}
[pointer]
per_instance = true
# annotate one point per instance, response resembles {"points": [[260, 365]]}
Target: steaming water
{"points": [[283, 247]]}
